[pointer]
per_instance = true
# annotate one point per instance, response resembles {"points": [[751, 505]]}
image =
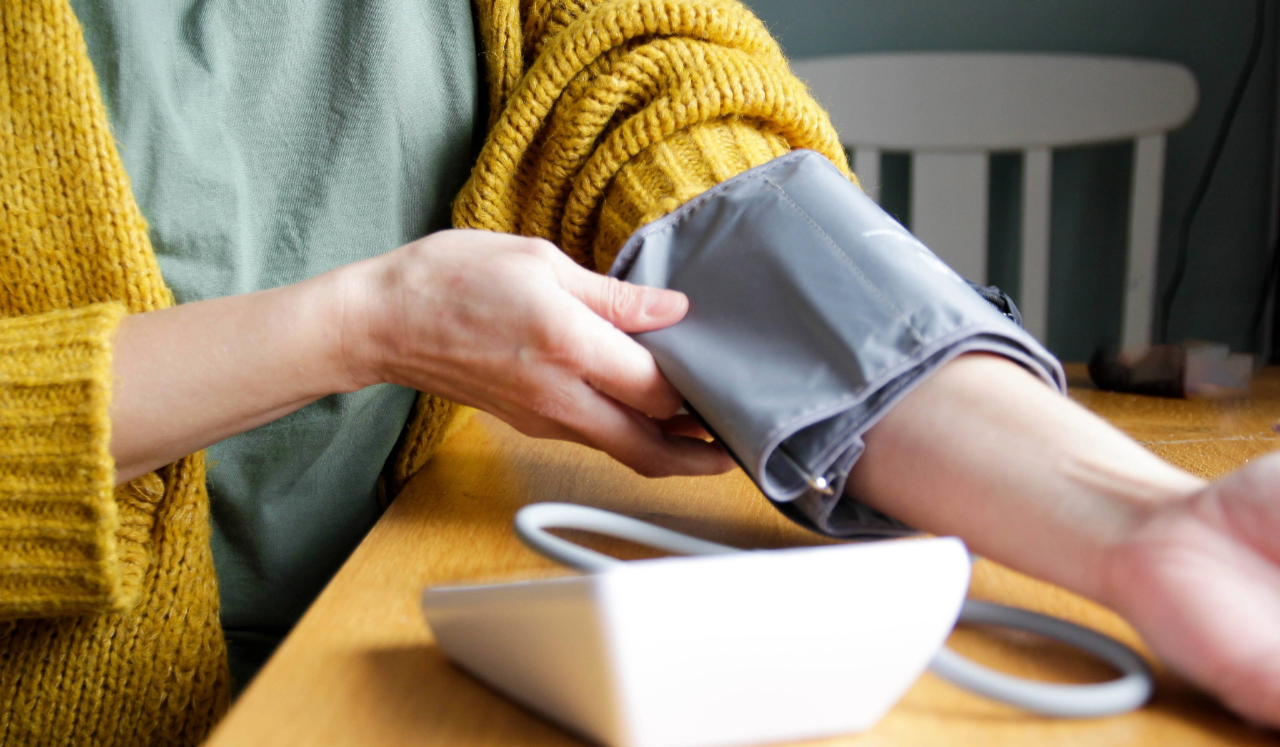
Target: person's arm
{"points": [[192, 375], [502, 323], [607, 115], [985, 451]]}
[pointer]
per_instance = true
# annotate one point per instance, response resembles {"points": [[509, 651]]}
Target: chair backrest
{"points": [[951, 110]]}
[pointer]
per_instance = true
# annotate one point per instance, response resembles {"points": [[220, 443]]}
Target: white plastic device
{"points": [[714, 650], [731, 647]]}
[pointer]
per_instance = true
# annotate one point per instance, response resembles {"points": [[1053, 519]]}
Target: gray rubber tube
{"points": [[1129, 692], [532, 520]]}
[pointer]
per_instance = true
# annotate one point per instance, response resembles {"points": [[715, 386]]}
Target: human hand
{"points": [[512, 326], [1200, 580]]}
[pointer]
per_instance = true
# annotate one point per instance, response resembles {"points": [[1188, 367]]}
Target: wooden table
{"points": [[361, 667]]}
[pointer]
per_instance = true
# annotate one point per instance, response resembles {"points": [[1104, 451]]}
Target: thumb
{"points": [[629, 307]]}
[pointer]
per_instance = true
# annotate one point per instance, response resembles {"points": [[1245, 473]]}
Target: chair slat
{"points": [[1144, 240], [1037, 198], [950, 110]]}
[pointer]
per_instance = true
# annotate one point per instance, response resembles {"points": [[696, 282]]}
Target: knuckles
{"points": [[539, 248], [558, 337], [620, 300], [554, 404]]}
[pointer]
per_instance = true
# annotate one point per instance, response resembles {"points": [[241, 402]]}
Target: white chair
{"points": [[951, 110]]}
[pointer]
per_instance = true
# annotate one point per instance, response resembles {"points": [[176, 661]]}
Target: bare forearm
{"points": [[192, 375], [503, 323], [985, 451]]}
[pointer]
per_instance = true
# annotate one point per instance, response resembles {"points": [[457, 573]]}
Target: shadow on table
{"points": [[422, 698], [427, 698]]}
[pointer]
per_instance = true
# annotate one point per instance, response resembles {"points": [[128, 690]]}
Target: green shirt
{"points": [[268, 142]]}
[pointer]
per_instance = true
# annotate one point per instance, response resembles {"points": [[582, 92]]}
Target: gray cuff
{"points": [[812, 312]]}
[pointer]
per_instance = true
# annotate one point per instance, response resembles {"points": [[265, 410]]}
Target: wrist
{"points": [[1119, 499], [984, 450], [1155, 528], [335, 309]]}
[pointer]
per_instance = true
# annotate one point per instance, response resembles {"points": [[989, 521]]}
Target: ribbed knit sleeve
{"points": [[607, 114], [70, 543]]}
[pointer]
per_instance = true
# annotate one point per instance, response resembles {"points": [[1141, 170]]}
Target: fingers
{"points": [[577, 375], [623, 384], [629, 307], [611, 361], [586, 417], [620, 367], [684, 425], [640, 444]]}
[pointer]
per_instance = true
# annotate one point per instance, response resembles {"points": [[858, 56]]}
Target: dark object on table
{"points": [[1192, 369]]}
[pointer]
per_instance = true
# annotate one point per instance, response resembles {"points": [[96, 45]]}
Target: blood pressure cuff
{"points": [[812, 312]]}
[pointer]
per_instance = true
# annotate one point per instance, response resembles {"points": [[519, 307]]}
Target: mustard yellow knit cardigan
{"points": [[604, 115]]}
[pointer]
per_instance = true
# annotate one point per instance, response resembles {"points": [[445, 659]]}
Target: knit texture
{"points": [[112, 634], [607, 114], [604, 115]]}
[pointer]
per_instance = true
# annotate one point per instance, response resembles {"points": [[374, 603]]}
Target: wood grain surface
{"points": [[361, 667]]}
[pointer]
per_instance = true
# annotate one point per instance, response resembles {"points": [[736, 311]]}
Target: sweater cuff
{"points": [[60, 553]]}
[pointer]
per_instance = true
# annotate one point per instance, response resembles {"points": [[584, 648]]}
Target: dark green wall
{"points": [[1228, 249]]}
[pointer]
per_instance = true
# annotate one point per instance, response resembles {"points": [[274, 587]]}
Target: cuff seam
{"points": [[844, 258]]}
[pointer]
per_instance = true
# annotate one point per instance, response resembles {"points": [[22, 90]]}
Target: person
{"points": [[281, 154]]}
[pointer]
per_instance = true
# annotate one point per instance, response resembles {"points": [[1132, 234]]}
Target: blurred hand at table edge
{"points": [[1200, 578], [985, 451]]}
